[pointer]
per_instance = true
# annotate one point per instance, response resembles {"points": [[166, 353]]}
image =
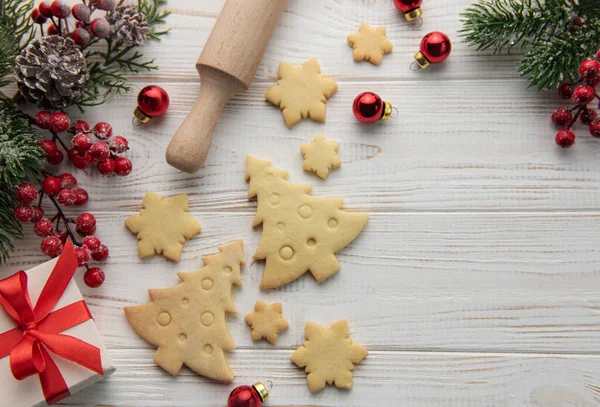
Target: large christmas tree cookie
{"points": [[300, 232], [188, 322]]}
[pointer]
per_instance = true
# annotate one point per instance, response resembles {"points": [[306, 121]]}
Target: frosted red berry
{"points": [[51, 246], [60, 9], [589, 69], [51, 186], [106, 4], [85, 224], [99, 151], [91, 242], [81, 142], [81, 12], [55, 158], [38, 213], [42, 119], [48, 146], [588, 116], [100, 254], [594, 82], [23, 213], [81, 161], [81, 196], [94, 277], [81, 126], [43, 228], [100, 27], [565, 91], [119, 144], [561, 116], [67, 180], [595, 128], [38, 17], [106, 166], [62, 236], [59, 122], [52, 30], [66, 197], [45, 8], [81, 36], [122, 166], [102, 130], [26, 193], [583, 94], [83, 257], [565, 138]]}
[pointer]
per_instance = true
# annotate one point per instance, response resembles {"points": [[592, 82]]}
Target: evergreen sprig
{"points": [[15, 33], [556, 35]]}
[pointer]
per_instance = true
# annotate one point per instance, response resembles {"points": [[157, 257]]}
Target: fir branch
{"points": [[556, 34], [15, 33]]}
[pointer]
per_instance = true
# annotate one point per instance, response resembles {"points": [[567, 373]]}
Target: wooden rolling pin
{"points": [[226, 66]]}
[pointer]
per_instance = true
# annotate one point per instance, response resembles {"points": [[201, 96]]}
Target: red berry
{"points": [[42, 118], [106, 166], [81, 196], [122, 166], [588, 116], [45, 9], [26, 193], [55, 158], [100, 254], [583, 94], [81, 142], [52, 30], [81, 126], [67, 181], [59, 122], [43, 228], [565, 138], [594, 82], [81, 12], [51, 246], [94, 277], [51, 186], [48, 146], [106, 4], [82, 256], [60, 9], [103, 130], [91, 242], [81, 36], [589, 69], [119, 144], [85, 224], [595, 128], [100, 27], [598, 54], [38, 213], [561, 116], [99, 151], [565, 91], [23, 213], [66, 197], [37, 17], [80, 161]]}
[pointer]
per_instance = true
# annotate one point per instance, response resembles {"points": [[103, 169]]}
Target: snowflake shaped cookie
{"points": [[301, 92], [320, 156], [266, 321], [370, 44], [328, 355], [163, 226]]}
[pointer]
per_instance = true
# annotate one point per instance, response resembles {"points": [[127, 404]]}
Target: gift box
{"points": [[50, 347]]}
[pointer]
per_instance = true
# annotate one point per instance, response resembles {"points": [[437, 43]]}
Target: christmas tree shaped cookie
{"points": [[188, 322], [300, 232]]}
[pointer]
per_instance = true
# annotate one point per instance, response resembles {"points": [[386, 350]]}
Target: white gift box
{"points": [[28, 392]]}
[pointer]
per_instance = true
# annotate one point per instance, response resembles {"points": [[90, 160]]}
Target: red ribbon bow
{"points": [[39, 329]]}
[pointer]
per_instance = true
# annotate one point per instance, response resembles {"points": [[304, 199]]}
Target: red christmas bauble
{"points": [[435, 48], [244, 396], [368, 107], [152, 101], [410, 8]]}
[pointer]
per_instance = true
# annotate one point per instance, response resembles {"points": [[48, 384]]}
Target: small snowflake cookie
{"points": [[328, 355], [266, 321], [320, 156], [163, 225], [370, 44], [301, 92]]}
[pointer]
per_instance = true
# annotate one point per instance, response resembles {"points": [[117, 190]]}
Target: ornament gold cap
{"points": [[141, 116], [261, 390], [413, 14], [387, 111], [421, 60]]}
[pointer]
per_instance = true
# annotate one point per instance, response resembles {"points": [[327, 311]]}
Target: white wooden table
{"points": [[475, 282]]}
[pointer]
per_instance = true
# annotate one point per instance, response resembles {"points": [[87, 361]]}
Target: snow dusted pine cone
{"points": [[51, 72], [128, 26]]}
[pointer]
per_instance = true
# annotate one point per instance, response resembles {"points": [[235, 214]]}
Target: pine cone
{"points": [[128, 26], [51, 72]]}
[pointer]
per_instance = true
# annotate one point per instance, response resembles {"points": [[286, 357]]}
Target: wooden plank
{"points": [[384, 378], [472, 282]]}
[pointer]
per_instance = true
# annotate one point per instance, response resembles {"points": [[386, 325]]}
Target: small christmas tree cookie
{"points": [[163, 226], [188, 322], [266, 321], [320, 156], [300, 232], [301, 92], [370, 44], [328, 355]]}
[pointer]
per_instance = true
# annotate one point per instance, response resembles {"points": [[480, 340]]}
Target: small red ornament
{"points": [[368, 107], [152, 101], [248, 396], [410, 8], [435, 48]]}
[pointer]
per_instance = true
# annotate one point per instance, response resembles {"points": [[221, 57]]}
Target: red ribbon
{"points": [[38, 333]]}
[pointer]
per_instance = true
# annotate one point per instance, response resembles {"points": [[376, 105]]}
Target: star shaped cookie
{"points": [[320, 156], [301, 92], [328, 355], [163, 226], [370, 44], [266, 321]]}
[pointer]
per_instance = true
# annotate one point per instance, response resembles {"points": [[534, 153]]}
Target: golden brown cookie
{"points": [[320, 156], [163, 226], [328, 355], [266, 321], [301, 92], [370, 44], [188, 322]]}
